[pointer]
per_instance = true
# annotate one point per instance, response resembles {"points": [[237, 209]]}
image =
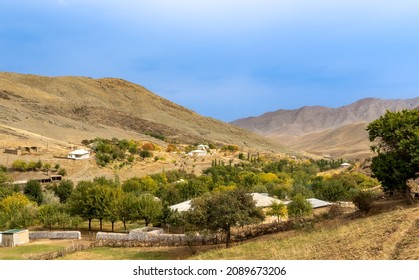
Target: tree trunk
{"points": [[100, 222], [228, 238], [113, 223], [125, 225], [90, 224]]}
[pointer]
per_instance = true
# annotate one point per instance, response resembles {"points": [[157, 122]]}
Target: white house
{"points": [[197, 153], [203, 147], [79, 154], [345, 164]]}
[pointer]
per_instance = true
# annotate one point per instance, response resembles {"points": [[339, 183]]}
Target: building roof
{"points": [[263, 200], [317, 203], [11, 231], [79, 152], [181, 207]]}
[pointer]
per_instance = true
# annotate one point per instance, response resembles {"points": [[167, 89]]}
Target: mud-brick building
{"points": [[14, 237]]}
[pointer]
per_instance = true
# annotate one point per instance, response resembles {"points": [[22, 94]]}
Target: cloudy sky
{"points": [[223, 58]]}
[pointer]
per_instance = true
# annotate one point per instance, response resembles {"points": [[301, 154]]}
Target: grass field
{"points": [[26, 251]]}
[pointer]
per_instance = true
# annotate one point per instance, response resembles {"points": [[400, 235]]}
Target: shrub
{"points": [[62, 172], [19, 165], [364, 201], [146, 154], [148, 147]]}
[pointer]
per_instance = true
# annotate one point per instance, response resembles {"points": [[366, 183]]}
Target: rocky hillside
{"points": [[339, 132], [70, 109]]}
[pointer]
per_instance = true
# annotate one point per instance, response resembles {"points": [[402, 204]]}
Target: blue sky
{"points": [[223, 58]]}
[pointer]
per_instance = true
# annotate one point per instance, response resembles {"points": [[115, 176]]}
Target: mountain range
{"points": [[66, 110], [323, 131]]}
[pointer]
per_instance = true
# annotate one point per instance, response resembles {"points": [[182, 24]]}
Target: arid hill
{"points": [[339, 132], [70, 109]]}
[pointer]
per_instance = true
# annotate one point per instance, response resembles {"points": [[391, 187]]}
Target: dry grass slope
{"points": [[75, 108], [386, 236]]}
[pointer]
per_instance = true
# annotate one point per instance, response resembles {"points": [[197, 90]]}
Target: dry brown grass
{"points": [[70, 109], [389, 235]]}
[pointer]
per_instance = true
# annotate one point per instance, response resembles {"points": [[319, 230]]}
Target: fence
{"points": [[154, 237]]}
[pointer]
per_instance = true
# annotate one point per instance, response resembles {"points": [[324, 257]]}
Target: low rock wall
{"points": [[153, 237], [54, 235]]}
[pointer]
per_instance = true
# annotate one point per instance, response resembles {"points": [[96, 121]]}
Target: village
{"points": [[190, 160]]}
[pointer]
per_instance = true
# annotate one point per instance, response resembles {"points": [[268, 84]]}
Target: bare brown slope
{"points": [[349, 141], [75, 108], [322, 130], [317, 118]]}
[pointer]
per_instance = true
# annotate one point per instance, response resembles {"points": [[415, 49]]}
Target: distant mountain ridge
{"points": [[319, 130]]}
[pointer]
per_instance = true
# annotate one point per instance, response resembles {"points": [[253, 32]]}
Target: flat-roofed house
{"points": [[14, 237], [79, 154]]}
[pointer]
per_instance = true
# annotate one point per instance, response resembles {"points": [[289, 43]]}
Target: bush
{"points": [[19, 165], [62, 172], [364, 201], [148, 147], [146, 154]]}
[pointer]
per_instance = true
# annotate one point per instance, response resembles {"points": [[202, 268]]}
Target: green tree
{"points": [[46, 167], [223, 210], [4, 178], [149, 208], [64, 190], [127, 208], [279, 210], [79, 203], [33, 190], [113, 210], [299, 207], [48, 214], [100, 199], [32, 165], [17, 210], [396, 142]]}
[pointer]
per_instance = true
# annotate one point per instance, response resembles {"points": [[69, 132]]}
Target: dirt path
{"points": [[408, 247]]}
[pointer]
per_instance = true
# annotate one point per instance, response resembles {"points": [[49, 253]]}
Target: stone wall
{"points": [[54, 235], [153, 237]]}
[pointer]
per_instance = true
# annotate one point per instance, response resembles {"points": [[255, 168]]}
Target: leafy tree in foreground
{"points": [[223, 210], [16, 211], [279, 210], [149, 208], [397, 147], [299, 207]]}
